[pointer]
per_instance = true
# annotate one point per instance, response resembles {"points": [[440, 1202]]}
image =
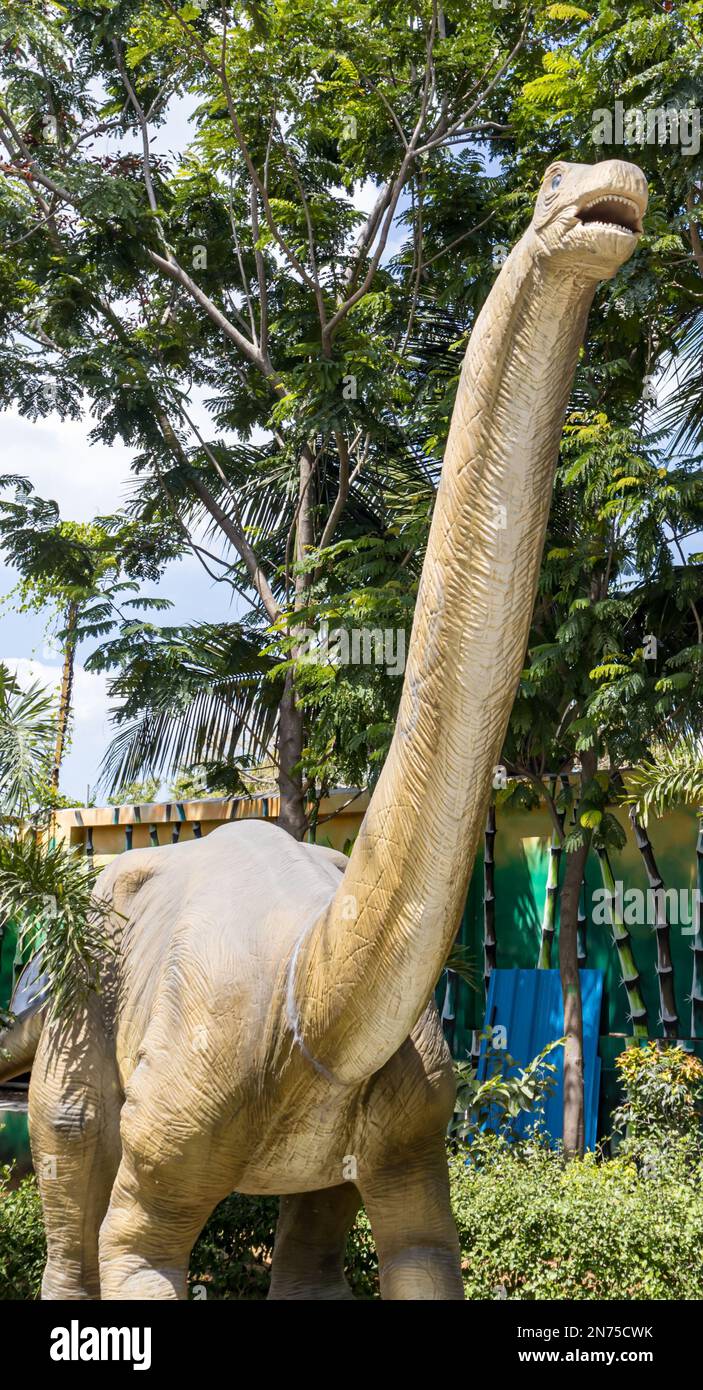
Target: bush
{"points": [[660, 1117], [22, 1242], [531, 1227], [232, 1258], [534, 1227]]}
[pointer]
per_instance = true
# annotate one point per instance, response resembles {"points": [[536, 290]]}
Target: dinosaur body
{"points": [[267, 1027]]}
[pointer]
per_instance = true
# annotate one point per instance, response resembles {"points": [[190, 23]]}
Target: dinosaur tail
{"points": [[18, 1044]]}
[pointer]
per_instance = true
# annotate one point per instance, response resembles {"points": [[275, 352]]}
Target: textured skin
{"points": [[267, 1029]]}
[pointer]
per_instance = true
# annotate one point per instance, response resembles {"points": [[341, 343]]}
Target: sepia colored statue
{"points": [[269, 1027]]}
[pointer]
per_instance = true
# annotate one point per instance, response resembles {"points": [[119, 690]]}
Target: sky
{"points": [[85, 480]]}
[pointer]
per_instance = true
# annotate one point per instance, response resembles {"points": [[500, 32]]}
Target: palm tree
{"points": [[46, 888], [27, 727], [202, 696], [75, 571]]}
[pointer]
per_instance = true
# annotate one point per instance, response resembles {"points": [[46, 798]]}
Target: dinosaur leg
{"points": [[311, 1236], [171, 1177], [151, 1226], [408, 1205], [74, 1110]]}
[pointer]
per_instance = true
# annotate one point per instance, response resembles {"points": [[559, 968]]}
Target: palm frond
{"points": [[47, 890], [191, 696], [27, 730], [672, 777]]}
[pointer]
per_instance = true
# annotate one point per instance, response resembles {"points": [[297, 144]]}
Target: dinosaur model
{"points": [[268, 1026]]}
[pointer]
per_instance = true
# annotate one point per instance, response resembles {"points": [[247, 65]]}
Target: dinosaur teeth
{"points": [[611, 210]]}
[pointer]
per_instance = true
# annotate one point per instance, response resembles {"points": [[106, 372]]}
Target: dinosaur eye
{"points": [[556, 180]]}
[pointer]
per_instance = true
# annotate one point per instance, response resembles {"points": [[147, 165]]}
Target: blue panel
{"points": [[528, 1005]]}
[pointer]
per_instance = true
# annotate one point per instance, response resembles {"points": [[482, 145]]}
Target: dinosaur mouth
{"points": [[612, 212]]}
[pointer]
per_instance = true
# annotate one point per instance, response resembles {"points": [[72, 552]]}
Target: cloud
{"points": [[91, 727], [85, 479]]}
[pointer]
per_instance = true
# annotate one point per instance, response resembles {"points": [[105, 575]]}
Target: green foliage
{"points": [[47, 890], [134, 793], [589, 683], [294, 111], [661, 1115], [232, 1256], [26, 734], [530, 1227], [22, 1239], [202, 697], [671, 777], [534, 1227], [507, 1091]]}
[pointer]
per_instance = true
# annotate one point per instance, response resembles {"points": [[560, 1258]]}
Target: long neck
{"points": [[366, 969]]}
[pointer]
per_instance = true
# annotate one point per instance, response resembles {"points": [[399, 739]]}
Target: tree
{"points": [[46, 888], [76, 571], [243, 266], [26, 731]]}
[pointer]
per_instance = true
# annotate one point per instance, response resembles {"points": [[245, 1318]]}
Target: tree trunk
{"points": [[665, 966], [574, 1131], [582, 930], [291, 731], [64, 716], [292, 816]]}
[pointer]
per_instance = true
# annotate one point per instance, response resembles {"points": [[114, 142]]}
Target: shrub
{"points": [[232, 1258], [534, 1227], [507, 1093], [660, 1117], [530, 1225], [22, 1242]]}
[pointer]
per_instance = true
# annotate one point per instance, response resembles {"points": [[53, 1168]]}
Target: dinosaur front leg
{"points": [[74, 1110], [311, 1237], [408, 1205]]}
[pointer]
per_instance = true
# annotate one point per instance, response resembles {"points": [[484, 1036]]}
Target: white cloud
{"points": [[84, 479], [91, 727]]}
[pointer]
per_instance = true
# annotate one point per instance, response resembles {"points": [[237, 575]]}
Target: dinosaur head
{"points": [[589, 216]]}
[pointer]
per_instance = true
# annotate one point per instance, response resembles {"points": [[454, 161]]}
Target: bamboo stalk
{"points": [[697, 978], [623, 945], [665, 965], [549, 918], [489, 897]]}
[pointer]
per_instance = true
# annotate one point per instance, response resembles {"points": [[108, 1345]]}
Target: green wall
{"points": [[14, 1136], [521, 864], [521, 859]]}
